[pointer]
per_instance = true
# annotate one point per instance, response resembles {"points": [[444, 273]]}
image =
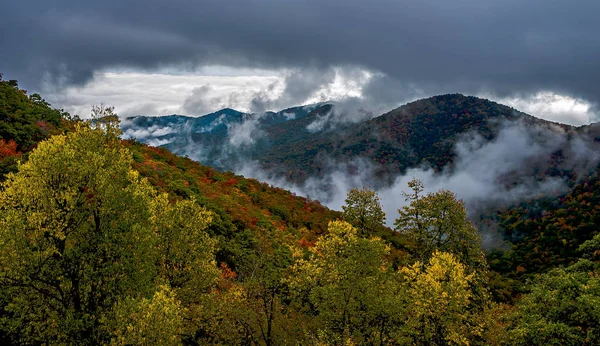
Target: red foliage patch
{"points": [[306, 243], [231, 182], [8, 149]]}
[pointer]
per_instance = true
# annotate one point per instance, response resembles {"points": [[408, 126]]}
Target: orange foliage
{"points": [[227, 278], [306, 243], [226, 272], [8, 149], [43, 125]]}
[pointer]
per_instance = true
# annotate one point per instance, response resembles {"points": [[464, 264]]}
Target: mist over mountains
{"points": [[492, 156]]}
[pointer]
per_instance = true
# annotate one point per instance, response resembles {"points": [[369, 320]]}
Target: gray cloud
{"points": [[299, 85], [200, 102], [469, 46]]}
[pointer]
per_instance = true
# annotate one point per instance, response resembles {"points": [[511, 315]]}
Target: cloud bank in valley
{"points": [[484, 173]]}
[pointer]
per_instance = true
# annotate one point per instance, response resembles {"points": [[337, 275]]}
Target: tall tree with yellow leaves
{"points": [[74, 236], [350, 285], [439, 297]]}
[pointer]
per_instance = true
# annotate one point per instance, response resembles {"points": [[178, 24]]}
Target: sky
{"points": [[193, 57]]}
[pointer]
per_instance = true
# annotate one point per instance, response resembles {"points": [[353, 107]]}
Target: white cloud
{"points": [[152, 131], [244, 133], [552, 106], [211, 88], [218, 121], [136, 93], [157, 142], [346, 83], [289, 116]]}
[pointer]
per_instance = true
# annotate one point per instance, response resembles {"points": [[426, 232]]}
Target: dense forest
{"points": [[111, 241]]}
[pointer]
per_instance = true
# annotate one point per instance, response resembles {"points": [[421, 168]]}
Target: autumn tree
{"points": [[349, 284], [438, 222], [263, 273], [74, 236], [362, 209], [157, 321], [254, 308], [186, 254], [439, 295]]}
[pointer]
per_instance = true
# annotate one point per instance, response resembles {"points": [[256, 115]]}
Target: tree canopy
{"points": [[362, 209]]}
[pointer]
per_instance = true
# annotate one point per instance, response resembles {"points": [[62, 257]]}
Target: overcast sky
{"points": [[192, 57]]}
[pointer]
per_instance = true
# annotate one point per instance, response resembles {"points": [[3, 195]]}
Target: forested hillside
{"points": [[548, 232], [110, 241]]}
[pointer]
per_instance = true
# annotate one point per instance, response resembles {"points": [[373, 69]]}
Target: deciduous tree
{"points": [[438, 221], [363, 210], [562, 307], [152, 322], [74, 237], [438, 299], [350, 286], [186, 254]]}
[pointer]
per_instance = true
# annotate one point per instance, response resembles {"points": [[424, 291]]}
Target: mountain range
{"points": [[492, 155], [530, 185]]}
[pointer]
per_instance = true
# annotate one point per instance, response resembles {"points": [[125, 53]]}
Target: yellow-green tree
{"points": [[74, 236], [438, 221], [186, 254], [150, 322], [438, 299], [362, 210], [349, 284]]}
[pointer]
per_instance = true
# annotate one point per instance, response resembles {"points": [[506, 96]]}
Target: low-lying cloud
{"points": [[485, 174], [245, 133]]}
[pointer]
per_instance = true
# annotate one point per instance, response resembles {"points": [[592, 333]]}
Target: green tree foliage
{"points": [[590, 249], [438, 221], [264, 288], [80, 231], [74, 236], [349, 284], [151, 322], [562, 307], [254, 308], [186, 259], [362, 210], [26, 120]]}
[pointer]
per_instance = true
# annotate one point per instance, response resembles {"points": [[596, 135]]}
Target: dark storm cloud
{"points": [[501, 47]]}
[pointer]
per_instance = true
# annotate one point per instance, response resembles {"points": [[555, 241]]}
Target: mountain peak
{"points": [[228, 111]]}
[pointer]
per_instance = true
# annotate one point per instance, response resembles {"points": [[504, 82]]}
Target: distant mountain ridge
{"points": [[285, 143], [154, 128]]}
